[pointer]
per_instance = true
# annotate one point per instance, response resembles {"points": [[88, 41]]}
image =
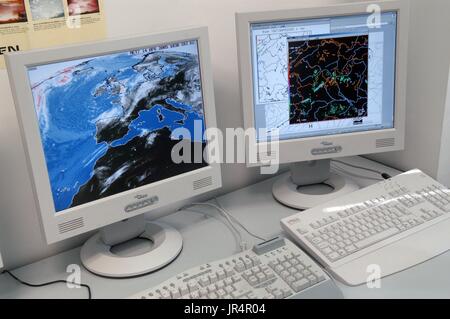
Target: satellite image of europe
{"points": [[106, 122], [328, 79]]}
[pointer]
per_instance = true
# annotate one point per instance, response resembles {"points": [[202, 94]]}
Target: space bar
{"points": [[376, 238]]}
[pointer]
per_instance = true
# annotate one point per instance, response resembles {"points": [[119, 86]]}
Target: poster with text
{"points": [[30, 24]]}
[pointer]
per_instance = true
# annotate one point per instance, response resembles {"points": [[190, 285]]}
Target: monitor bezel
{"points": [[106, 211], [357, 143]]}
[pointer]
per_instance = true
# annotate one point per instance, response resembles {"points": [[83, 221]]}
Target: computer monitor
{"points": [[99, 124], [329, 82]]}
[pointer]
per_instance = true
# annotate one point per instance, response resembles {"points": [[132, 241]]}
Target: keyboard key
{"points": [[248, 263], [278, 294], [192, 286], [286, 292], [212, 295], [376, 238], [220, 285], [290, 279], [333, 256], [294, 261], [228, 281], [350, 249], [312, 279], [342, 252], [229, 272], [301, 285], [300, 267], [229, 289], [204, 281], [238, 293], [211, 289], [279, 268], [306, 272], [269, 274], [261, 277], [298, 276], [221, 274], [175, 293], [221, 293], [240, 266]]}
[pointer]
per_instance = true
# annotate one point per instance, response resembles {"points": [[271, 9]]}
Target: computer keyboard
{"points": [[394, 224], [276, 269]]}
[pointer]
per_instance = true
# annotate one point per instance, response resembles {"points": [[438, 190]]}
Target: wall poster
{"points": [[31, 24]]}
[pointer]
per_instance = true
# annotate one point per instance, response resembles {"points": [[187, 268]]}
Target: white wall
{"points": [[428, 64], [21, 239], [444, 158]]}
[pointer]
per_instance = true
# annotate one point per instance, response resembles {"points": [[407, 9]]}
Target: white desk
{"points": [[207, 239]]}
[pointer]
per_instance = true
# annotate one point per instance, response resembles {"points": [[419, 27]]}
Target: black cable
{"points": [[48, 283], [383, 174]]}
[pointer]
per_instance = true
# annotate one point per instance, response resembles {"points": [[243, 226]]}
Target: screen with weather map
{"points": [[327, 76], [107, 122]]}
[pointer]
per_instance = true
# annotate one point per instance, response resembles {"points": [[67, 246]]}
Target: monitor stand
{"points": [[131, 248], [304, 186]]}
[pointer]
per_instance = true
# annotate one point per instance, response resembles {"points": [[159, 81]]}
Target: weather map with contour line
{"points": [[328, 79], [106, 122]]}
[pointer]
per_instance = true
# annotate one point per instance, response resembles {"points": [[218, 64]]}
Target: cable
{"points": [[342, 170], [231, 227], [48, 283], [358, 167], [239, 223], [383, 174], [231, 220], [242, 243]]}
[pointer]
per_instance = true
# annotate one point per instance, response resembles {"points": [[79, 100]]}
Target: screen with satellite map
{"points": [[325, 76], [106, 122]]}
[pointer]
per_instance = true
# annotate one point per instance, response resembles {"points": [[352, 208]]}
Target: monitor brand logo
{"points": [[327, 143], [10, 48]]}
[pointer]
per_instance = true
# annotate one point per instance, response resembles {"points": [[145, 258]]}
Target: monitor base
{"points": [[287, 192], [99, 259]]}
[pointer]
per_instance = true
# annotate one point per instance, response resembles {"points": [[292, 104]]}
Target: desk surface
{"points": [[254, 207]]}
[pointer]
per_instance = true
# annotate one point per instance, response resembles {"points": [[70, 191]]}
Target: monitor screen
{"points": [[326, 76], [107, 122]]}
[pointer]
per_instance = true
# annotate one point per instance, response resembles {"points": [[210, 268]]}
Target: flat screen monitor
{"points": [[100, 125], [330, 81], [324, 76]]}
